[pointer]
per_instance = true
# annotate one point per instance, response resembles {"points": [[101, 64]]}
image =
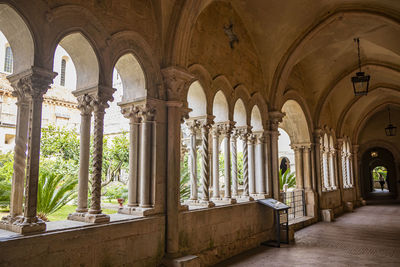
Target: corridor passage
{"points": [[370, 236]]}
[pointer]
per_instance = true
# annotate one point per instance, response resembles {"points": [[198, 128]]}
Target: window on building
{"points": [[8, 60], [63, 69]]}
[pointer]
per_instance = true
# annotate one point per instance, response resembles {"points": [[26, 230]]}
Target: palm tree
{"points": [[287, 178], [54, 191]]}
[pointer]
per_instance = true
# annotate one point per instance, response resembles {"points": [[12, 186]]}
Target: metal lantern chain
{"points": [[360, 81], [357, 40], [390, 130]]}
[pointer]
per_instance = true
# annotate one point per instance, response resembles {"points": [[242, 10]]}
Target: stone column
{"points": [[32, 84], [99, 104], [260, 165], [267, 162], [226, 129], [131, 112], [332, 176], [215, 162], [357, 183], [176, 80], [339, 160], [234, 163], [21, 136], [325, 170], [193, 126], [243, 136], [275, 119], [84, 105], [252, 187], [318, 183], [147, 114], [298, 155], [307, 167], [205, 160]]}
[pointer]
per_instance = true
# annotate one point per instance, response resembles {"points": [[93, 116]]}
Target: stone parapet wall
{"points": [[129, 243], [218, 233]]}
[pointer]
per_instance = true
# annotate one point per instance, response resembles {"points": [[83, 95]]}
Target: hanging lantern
{"points": [[360, 81], [390, 129]]}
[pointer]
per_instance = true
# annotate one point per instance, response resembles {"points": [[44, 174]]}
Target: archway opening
{"points": [[378, 167], [191, 186], [379, 177]]}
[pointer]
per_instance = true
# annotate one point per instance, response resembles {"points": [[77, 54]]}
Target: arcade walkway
{"points": [[370, 236]]}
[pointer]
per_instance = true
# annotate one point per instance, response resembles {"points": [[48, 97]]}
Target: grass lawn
{"points": [[62, 213]]}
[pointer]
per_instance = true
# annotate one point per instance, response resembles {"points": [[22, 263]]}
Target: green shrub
{"points": [[287, 178]]}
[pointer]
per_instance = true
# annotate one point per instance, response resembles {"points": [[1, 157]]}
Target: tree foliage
{"points": [[59, 142], [55, 188], [287, 178]]}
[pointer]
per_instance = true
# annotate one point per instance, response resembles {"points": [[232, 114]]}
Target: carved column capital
{"points": [[176, 81], [131, 112], [226, 128], [193, 126], [146, 112], [84, 104], [275, 117], [260, 137], [251, 139], [33, 82]]}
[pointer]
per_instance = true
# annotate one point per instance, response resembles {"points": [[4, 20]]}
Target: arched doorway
{"points": [[378, 162]]}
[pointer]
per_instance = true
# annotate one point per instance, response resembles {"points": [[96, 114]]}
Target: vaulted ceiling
{"points": [[307, 46]]}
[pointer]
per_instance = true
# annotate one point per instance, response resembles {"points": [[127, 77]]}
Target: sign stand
{"points": [[281, 220]]}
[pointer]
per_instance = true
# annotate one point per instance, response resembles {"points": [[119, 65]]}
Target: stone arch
{"points": [[221, 84], [132, 77], [296, 50], [205, 80], [197, 100], [240, 113], [84, 57], [345, 75], [19, 36], [258, 99], [220, 108], [366, 116], [295, 122], [256, 120], [130, 42], [292, 94]]}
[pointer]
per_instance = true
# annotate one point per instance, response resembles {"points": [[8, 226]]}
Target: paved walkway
{"points": [[370, 236]]}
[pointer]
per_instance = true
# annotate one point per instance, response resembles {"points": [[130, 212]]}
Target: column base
{"points": [[348, 206], [77, 216], [139, 211], [183, 207], [97, 218], [127, 210], [200, 203], [245, 198], [18, 225], [224, 200], [327, 215], [259, 196]]}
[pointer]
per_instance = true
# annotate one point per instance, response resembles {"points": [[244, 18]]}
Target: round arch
{"points": [[19, 37], [295, 122], [84, 58], [196, 99], [132, 77]]}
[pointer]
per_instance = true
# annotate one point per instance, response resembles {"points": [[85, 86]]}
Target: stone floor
{"points": [[370, 236]]}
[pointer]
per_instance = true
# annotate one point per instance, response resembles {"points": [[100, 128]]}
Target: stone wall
{"points": [[130, 243], [218, 233]]}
